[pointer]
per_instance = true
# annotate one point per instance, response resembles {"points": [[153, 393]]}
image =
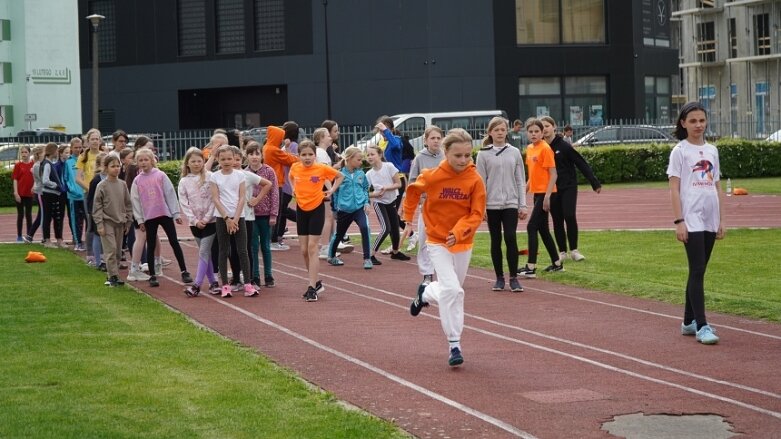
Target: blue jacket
{"points": [[393, 148], [353, 193], [75, 192]]}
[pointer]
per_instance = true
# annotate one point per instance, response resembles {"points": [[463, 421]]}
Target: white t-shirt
{"points": [[699, 169], [228, 186], [383, 178], [323, 157], [251, 180]]}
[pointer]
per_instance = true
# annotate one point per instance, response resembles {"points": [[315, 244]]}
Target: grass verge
{"points": [[82, 360], [770, 185]]}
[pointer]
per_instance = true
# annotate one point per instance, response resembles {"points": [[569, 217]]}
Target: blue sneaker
{"points": [[335, 261], [690, 329], [418, 304], [456, 358], [367, 264], [707, 335], [19, 239]]}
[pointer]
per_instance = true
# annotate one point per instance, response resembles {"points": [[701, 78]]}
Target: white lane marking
{"points": [[381, 372]]}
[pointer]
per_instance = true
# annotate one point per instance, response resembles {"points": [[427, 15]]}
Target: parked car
{"points": [[775, 137], [625, 134], [41, 135], [156, 139]]}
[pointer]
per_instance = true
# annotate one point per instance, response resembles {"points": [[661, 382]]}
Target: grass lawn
{"points": [[81, 360], [653, 265], [770, 185]]}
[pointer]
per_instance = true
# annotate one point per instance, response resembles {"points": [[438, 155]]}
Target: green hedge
{"points": [[612, 164]]}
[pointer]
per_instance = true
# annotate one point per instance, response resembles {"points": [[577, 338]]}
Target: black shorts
{"points": [[310, 222]]}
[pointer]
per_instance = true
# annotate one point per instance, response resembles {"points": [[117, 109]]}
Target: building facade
{"points": [[730, 60], [185, 64], [40, 79]]}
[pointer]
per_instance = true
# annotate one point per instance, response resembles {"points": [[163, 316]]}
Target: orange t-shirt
{"points": [[539, 159], [308, 182]]}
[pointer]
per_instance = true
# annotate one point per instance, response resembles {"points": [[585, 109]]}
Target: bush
{"points": [[6, 189]]}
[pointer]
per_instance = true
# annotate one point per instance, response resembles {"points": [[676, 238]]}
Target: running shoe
{"points": [[515, 286], [498, 285], [707, 335], [455, 359], [576, 256], [418, 303], [690, 329]]}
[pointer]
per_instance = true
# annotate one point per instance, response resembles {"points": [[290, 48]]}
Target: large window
{"points": [[732, 29], [559, 21], [191, 27], [706, 42], [269, 25], [230, 26], [762, 34], [576, 100], [107, 29], [657, 98]]}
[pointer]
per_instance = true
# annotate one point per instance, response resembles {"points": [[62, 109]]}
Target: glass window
{"points": [[585, 85], [537, 21], [706, 42], [762, 34], [576, 100], [412, 127], [733, 38], [539, 86], [191, 29], [269, 25], [605, 135], [559, 21], [230, 26], [733, 102], [583, 21]]}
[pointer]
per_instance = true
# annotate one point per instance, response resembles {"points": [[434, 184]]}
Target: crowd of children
{"points": [[236, 199]]}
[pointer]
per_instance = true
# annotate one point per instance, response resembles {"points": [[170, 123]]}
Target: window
{"points": [[657, 98], [6, 116], [5, 73], [706, 42], [559, 21], [107, 29], [733, 38], [733, 104], [576, 100], [706, 94], [706, 3], [269, 25], [191, 27], [762, 109], [230, 26], [762, 34], [412, 127], [5, 30]]}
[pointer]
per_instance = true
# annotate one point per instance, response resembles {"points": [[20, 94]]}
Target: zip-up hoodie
{"points": [[353, 193], [505, 180], [567, 158], [455, 203], [424, 160], [269, 205], [75, 191], [195, 198], [273, 154], [50, 179], [393, 148], [153, 195]]}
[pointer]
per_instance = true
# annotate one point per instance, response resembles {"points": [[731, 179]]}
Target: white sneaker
{"points": [[323, 253], [562, 256], [137, 275], [412, 241], [144, 267], [275, 246], [576, 256], [158, 267], [387, 250], [165, 262], [345, 247]]}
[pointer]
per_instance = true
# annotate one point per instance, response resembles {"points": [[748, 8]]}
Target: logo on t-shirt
{"points": [[705, 169], [314, 179], [452, 193]]}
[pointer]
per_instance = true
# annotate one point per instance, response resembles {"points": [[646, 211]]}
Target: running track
{"points": [[554, 361]]}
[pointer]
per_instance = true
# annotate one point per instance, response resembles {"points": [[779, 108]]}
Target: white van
{"points": [[414, 124]]}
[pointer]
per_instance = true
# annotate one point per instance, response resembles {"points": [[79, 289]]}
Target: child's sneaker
{"points": [[323, 255], [345, 247], [455, 359], [387, 250], [137, 275], [158, 267], [90, 261], [277, 246], [310, 295], [269, 281], [235, 287], [498, 285], [515, 286], [192, 291], [144, 267], [690, 329], [28, 239], [367, 264], [250, 291], [707, 335], [576, 256], [418, 304], [375, 261], [399, 256], [226, 291], [214, 288], [19, 240], [102, 267], [528, 273], [256, 284], [186, 278], [335, 261], [562, 256], [319, 288], [427, 279], [49, 244], [153, 281], [553, 268], [115, 281]]}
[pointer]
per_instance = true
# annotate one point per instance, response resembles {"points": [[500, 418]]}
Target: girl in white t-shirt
{"points": [[697, 201], [384, 179], [323, 141]]}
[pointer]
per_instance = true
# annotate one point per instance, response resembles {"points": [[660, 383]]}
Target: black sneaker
{"points": [[319, 288], [399, 256], [192, 291], [270, 282], [214, 288], [515, 286], [376, 261], [456, 358], [418, 304], [528, 273], [153, 282], [102, 267], [553, 267], [310, 295], [186, 278], [427, 279], [114, 281], [499, 284]]}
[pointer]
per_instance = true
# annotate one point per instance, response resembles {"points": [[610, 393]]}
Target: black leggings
{"points": [[397, 201], [53, 210], [37, 223], [506, 219], [167, 223], [224, 241], [389, 225], [538, 222], [285, 214], [698, 250], [562, 208], [24, 211]]}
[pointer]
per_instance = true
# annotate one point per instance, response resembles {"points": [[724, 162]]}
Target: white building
{"points": [[730, 60], [40, 83]]}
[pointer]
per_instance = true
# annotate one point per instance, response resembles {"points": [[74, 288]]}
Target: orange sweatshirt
{"points": [[455, 203], [273, 154]]}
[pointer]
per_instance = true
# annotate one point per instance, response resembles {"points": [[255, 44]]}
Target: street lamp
{"points": [[95, 20], [327, 62]]}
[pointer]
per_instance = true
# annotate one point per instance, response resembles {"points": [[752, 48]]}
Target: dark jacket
{"points": [[567, 158]]}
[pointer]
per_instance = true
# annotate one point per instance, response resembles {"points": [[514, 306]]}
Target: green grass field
{"points": [[80, 360], [770, 185]]}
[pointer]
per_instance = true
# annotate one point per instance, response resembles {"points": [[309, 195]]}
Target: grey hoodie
{"points": [[504, 177], [424, 160]]}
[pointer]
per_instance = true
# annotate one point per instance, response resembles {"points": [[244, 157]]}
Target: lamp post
{"points": [[327, 62], [95, 20]]}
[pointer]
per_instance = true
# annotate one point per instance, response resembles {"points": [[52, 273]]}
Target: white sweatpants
{"points": [[447, 290], [424, 259]]}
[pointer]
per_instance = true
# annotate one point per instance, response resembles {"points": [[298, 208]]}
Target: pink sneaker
{"points": [[226, 291], [250, 291]]}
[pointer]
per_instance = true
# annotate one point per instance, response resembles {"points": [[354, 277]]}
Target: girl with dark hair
{"points": [[694, 174]]}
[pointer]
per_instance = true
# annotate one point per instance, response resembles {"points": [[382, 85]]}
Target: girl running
{"points": [[307, 179], [454, 209], [22, 176], [385, 181], [694, 171]]}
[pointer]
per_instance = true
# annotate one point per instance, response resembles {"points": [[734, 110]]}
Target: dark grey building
{"points": [[181, 64]]}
